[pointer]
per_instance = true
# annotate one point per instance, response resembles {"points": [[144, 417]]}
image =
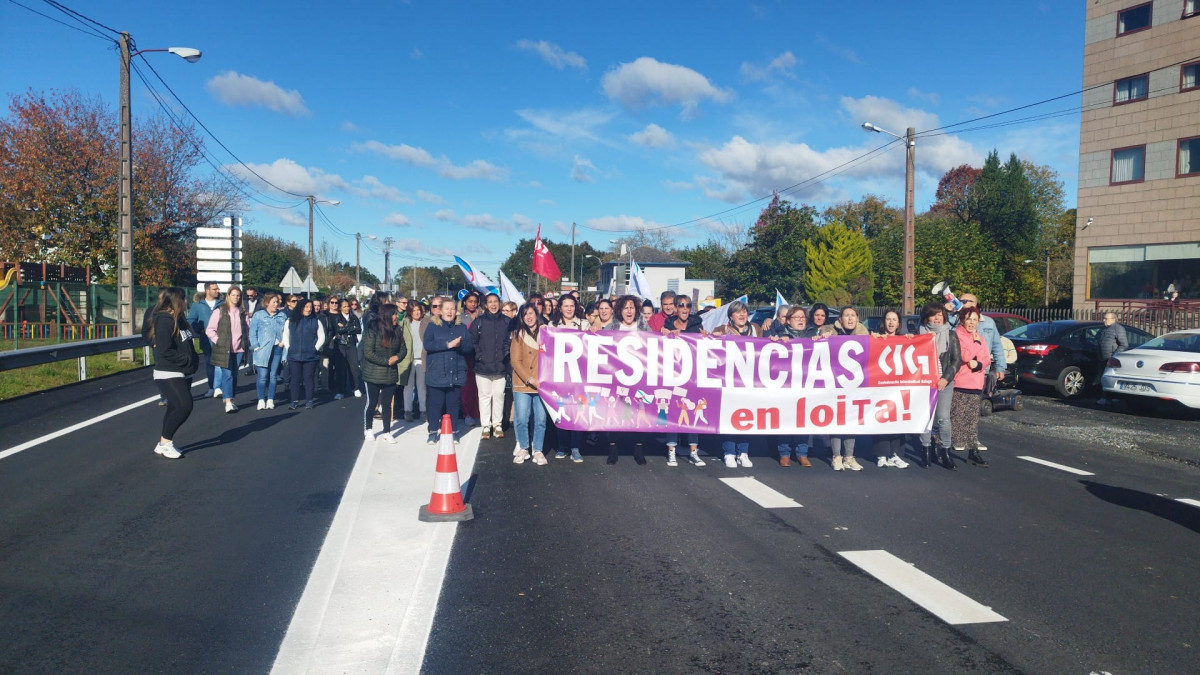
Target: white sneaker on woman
{"points": [[230, 406], [744, 459], [167, 450], [369, 434], [270, 404], [897, 462], [883, 462], [262, 405]]}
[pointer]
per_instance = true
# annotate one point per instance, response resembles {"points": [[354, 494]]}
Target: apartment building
{"points": [[1138, 231]]}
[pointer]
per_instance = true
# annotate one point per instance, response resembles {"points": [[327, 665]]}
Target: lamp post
{"points": [[598, 265], [312, 202], [357, 264], [910, 141], [125, 312]]}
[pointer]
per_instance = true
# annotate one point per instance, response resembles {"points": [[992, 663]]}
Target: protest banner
{"points": [[637, 381]]}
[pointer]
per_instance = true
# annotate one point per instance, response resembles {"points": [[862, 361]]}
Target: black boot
{"points": [[946, 459], [638, 455], [976, 458], [926, 456], [612, 454]]}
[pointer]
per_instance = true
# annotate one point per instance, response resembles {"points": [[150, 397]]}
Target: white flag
{"points": [[638, 285], [718, 316], [508, 292]]}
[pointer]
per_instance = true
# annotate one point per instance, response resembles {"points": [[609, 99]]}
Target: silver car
{"points": [[1162, 370]]}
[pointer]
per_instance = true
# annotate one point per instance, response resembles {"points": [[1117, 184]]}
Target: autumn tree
{"points": [[956, 192], [870, 215], [838, 259]]}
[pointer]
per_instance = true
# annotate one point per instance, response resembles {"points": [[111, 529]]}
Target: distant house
{"points": [[663, 271]]}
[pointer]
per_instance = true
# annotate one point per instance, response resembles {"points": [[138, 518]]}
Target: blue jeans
{"points": [[226, 378], [523, 406], [206, 356], [735, 447], [786, 444], [672, 439], [268, 376]]}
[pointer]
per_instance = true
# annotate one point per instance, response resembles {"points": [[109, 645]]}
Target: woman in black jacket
{"points": [[174, 363], [346, 329], [383, 347], [949, 354]]}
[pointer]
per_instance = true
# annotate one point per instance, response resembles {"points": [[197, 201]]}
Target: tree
{"points": [[870, 215], [59, 181], [426, 280], [946, 250], [658, 239], [265, 259], [956, 192], [710, 260], [838, 259], [1004, 206], [774, 258]]}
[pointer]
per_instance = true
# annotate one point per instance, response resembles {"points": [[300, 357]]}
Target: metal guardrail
{"points": [[36, 356]]}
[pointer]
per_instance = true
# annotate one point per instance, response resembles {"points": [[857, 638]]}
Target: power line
{"points": [[85, 31], [67, 10]]}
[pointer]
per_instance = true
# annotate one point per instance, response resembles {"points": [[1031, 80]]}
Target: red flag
{"points": [[543, 262]]}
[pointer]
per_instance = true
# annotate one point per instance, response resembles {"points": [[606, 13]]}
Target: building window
{"points": [[1134, 19], [1131, 89], [1189, 157], [1188, 75], [1143, 272], [1190, 8], [673, 285], [1128, 165]]}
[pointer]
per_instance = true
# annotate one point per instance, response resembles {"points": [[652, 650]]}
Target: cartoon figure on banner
{"points": [[700, 406], [610, 415], [561, 402], [627, 408], [593, 396], [685, 405], [662, 398], [644, 400]]}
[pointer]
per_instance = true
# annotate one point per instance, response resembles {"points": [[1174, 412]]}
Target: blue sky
{"points": [[456, 127]]}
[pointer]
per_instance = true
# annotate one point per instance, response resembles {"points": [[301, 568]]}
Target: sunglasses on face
{"points": [[682, 305]]}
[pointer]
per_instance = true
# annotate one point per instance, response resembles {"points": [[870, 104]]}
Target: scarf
{"points": [[941, 335]]}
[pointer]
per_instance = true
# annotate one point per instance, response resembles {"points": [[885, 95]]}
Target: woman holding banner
{"points": [[842, 447], [949, 355], [628, 318], [889, 447], [683, 322], [737, 452], [793, 325], [968, 384], [566, 316], [604, 315], [523, 355]]}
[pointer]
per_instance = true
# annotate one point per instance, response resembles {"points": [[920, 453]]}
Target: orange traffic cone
{"points": [[446, 504]]}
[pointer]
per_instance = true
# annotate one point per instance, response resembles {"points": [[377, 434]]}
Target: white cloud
{"points": [[579, 172], [647, 82], [429, 197], [289, 176], [523, 222], [844, 52], [535, 184], [553, 54], [930, 97], [548, 202], [294, 217], [347, 125], [442, 165], [416, 54], [235, 89], [570, 125], [781, 65], [622, 222], [481, 221], [445, 215], [653, 136], [397, 220], [747, 169], [373, 187], [677, 185]]}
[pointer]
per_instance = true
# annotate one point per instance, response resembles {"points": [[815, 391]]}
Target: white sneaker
{"points": [[837, 462], [852, 464], [262, 405], [357, 394], [369, 434], [167, 450], [387, 437], [694, 458], [671, 458], [230, 406], [897, 462], [520, 456], [216, 393], [271, 404], [745, 460], [730, 462], [980, 447], [883, 462]]}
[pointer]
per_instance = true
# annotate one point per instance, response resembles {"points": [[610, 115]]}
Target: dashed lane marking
{"points": [[1052, 465], [81, 425], [939, 599], [760, 494], [1190, 502]]}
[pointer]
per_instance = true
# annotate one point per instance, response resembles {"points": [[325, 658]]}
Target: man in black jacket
{"points": [[489, 333]]}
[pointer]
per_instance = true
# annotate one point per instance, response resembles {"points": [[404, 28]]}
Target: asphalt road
{"points": [[592, 568], [115, 560]]}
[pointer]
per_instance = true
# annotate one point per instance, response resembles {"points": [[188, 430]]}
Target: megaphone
{"points": [[942, 288]]}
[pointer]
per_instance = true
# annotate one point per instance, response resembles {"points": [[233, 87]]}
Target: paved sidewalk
{"points": [[369, 604]]}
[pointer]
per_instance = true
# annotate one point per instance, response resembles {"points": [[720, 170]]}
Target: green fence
{"points": [[52, 312]]}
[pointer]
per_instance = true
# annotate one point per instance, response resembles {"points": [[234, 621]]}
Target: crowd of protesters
{"points": [[474, 358]]}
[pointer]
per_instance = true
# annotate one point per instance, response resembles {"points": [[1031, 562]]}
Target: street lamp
{"points": [[598, 265], [357, 265], [910, 140], [125, 317], [313, 201]]}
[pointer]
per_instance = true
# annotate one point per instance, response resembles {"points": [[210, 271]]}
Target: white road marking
{"points": [[81, 425], [939, 599], [1190, 502], [1052, 465], [760, 494]]}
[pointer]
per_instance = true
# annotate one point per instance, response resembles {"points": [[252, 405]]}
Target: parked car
{"points": [[1166, 368], [762, 314], [1006, 322], [1063, 354], [910, 322]]}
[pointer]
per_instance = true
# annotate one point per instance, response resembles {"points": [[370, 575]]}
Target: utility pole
{"points": [[910, 232], [573, 277], [125, 222], [414, 293], [357, 262], [1047, 303], [387, 262], [311, 203]]}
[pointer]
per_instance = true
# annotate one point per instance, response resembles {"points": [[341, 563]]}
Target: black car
{"points": [[1063, 354]]}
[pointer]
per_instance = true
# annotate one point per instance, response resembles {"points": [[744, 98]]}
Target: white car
{"points": [[1166, 368]]}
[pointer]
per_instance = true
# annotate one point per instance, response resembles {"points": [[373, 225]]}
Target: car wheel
{"points": [[1018, 403], [1071, 382], [985, 407]]}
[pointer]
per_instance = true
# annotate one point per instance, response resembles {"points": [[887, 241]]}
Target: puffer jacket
{"points": [[375, 366], [836, 328], [446, 366], [489, 333], [1112, 340], [694, 324], [266, 332]]}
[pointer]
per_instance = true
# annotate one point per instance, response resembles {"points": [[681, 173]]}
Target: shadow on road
{"points": [[236, 433], [1169, 509]]}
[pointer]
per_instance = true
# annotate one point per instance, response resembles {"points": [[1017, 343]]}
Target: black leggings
{"points": [[379, 394], [178, 392], [345, 375]]}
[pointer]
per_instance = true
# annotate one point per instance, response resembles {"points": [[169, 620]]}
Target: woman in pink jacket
{"points": [[968, 385]]}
